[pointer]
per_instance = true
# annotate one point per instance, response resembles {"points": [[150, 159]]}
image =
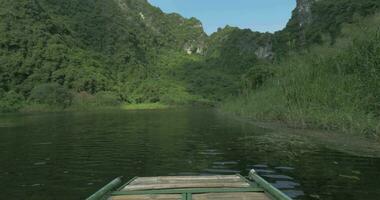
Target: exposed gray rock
{"points": [[304, 12], [264, 52]]}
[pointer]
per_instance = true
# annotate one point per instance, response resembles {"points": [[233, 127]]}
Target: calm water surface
{"points": [[71, 155]]}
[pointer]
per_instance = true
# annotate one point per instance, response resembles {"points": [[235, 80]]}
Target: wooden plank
{"points": [[188, 190], [231, 196], [167, 182], [192, 177], [186, 185], [174, 179], [148, 197], [138, 182]]}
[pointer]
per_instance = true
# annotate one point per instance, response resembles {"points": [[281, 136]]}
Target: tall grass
{"points": [[332, 87]]}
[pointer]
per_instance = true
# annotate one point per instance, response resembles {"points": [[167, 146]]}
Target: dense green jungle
{"points": [[322, 70]]}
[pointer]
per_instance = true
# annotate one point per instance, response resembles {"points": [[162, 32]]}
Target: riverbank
{"points": [[329, 87], [351, 143], [145, 106], [269, 104], [43, 108]]}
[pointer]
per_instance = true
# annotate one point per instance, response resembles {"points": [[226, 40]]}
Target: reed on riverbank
{"points": [[331, 87]]}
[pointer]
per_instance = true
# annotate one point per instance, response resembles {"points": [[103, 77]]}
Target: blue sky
{"points": [[258, 15]]}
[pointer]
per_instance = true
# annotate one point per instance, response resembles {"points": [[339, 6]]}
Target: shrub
{"points": [[83, 99], [101, 99], [51, 94], [256, 76], [10, 101], [107, 99]]}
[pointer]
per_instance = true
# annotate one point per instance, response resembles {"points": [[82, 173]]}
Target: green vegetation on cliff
{"points": [[125, 47], [320, 21], [334, 87], [321, 70]]}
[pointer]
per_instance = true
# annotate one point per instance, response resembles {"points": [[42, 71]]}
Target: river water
{"points": [[71, 155]]}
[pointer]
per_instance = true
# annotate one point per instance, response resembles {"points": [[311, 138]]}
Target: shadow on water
{"points": [[71, 155]]}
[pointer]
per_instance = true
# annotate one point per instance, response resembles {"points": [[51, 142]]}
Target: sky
{"points": [[258, 15]]}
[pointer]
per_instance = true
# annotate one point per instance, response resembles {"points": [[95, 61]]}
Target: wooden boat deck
{"points": [[223, 187], [210, 196]]}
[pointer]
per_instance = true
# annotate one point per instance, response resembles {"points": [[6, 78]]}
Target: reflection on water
{"points": [[71, 155]]}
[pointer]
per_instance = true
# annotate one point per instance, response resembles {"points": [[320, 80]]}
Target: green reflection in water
{"points": [[71, 155]]}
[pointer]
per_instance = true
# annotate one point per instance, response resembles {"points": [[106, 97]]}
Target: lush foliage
{"points": [[51, 94], [230, 53], [335, 87], [10, 101], [86, 54], [126, 48], [324, 25]]}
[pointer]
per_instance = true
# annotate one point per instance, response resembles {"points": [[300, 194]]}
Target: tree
{"points": [[51, 94], [10, 101]]}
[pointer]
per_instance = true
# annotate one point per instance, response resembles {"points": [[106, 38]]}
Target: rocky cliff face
{"points": [[230, 42], [293, 36], [304, 17], [181, 33], [304, 13], [265, 45], [265, 52]]}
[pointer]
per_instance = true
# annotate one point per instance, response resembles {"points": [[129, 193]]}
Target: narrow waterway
{"points": [[71, 155]]}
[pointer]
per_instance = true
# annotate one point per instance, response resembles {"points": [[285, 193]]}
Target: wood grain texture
{"points": [[231, 196], [175, 182], [148, 197], [218, 177], [185, 185]]}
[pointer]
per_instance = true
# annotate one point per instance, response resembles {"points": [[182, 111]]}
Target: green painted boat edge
{"points": [[127, 183], [184, 196], [269, 188], [189, 191], [252, 184], [104, 191], [189, 196]]}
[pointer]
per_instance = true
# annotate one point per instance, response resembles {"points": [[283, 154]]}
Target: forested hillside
{"points": [[327, 74], [235, 59], [320, 21], [320, 70], [230, 52], [116, 50]]}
